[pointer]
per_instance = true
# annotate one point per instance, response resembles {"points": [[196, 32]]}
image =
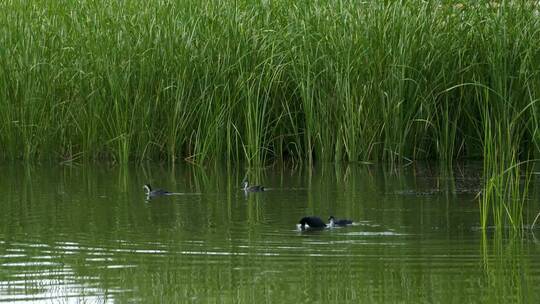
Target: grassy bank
{"points": [[262, 80]]}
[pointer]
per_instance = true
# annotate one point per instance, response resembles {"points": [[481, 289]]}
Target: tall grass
{"points": [[258, 81], [262, 80]]}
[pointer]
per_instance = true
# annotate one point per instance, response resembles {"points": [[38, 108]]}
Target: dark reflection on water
{"points": [[88, 234]]}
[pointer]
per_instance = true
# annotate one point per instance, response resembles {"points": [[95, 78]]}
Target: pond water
{"points": [[87, 234]]}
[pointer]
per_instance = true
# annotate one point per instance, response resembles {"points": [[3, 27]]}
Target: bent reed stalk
{"points": [[257, 81]]}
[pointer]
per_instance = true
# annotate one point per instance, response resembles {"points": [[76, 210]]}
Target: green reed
{"points": [[507, 106], [259, 81]]}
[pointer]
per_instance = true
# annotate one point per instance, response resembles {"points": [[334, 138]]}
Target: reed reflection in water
{"points": [[88, 234]]}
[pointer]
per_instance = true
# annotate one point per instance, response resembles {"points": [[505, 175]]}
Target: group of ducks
{"points": [[151, 193], [307, 222]]}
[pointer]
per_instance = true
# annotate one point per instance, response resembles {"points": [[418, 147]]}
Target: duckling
{"points": [[153, 193], [338, 223], [248, 188]]}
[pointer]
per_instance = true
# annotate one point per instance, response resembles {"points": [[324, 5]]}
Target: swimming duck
{"points": [[248, 188], [153, 193], [338, 223], [312, 222]]}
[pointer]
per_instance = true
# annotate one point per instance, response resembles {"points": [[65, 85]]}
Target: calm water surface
{"points": [[87, 234]]}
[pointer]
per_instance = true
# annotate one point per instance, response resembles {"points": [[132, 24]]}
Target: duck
{"points": [[338, 223], [247, 188], [312, 222], [153, 193]]}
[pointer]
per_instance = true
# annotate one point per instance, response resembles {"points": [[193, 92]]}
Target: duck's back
{"points": [[312, 222]]}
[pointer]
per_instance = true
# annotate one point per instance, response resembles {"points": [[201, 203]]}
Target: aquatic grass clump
{"points": [[506, 109]]}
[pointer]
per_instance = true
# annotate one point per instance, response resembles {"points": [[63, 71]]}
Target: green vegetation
{"points": [[259, 80], [268, 80]]}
